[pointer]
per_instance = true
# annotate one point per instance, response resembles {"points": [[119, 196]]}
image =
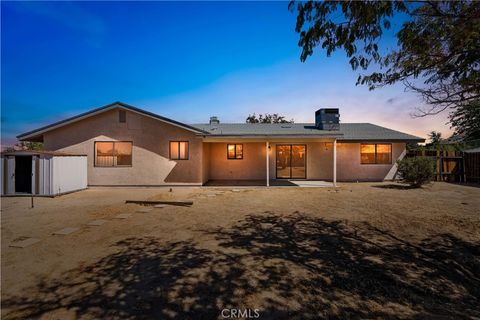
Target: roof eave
{"points": [[384, 140]]}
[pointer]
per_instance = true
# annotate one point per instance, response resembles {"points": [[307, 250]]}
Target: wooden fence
{"points": [[472, 167], [450, 165]]}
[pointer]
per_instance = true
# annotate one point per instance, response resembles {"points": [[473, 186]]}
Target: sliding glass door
{"points": [[284, 161], [291, 161]]}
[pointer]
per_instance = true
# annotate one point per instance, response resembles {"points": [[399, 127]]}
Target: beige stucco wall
{"points": [[206, 162], [251, 167], [349, 167], [150, 164]]}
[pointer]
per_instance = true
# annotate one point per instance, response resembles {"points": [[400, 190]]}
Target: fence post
{"points": [[439, 161]]}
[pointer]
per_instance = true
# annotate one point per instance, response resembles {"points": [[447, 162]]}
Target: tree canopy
{"points": [[437, 55], [466, 120], [267, 118], [435, 138]]}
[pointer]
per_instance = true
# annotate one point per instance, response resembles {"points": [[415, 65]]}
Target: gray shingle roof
{"points": [[347, 131]]}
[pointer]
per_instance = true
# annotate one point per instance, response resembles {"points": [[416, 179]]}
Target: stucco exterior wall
{"points": [[251, 167], [150, 155], [205, 162], [349, 167]]}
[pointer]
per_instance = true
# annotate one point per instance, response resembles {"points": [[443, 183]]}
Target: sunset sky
{"points": [[186, 61]]}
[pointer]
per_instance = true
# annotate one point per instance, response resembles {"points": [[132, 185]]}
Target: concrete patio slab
{"points": [[249, 183], [24, 243], [313, 184], [65, 231], [96, 223]]}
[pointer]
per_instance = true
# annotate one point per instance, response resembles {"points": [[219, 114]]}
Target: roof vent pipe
{"points": [[214, 120]]}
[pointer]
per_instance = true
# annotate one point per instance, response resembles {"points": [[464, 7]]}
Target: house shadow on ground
{"points": [[288, 267]]}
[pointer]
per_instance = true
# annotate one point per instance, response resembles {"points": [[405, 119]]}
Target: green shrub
{"points": [[416, 171]]}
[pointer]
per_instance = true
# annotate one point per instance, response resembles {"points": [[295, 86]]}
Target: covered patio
{"points": [[276, 162]]}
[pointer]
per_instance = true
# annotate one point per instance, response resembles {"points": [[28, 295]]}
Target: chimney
{"points": [[214, 120], [327, 119]]}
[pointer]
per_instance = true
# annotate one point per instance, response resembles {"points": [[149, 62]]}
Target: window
{"points": [[122, 116], [376, 153], [113, 154], [384, 153], [179, 150], [235, 151], [367, 153]]}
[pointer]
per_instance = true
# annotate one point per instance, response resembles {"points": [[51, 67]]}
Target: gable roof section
{"points": [[38, 132], [347, 131]]}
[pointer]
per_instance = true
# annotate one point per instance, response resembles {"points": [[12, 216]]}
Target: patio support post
{"points": [[267, 146], [335, 163]]}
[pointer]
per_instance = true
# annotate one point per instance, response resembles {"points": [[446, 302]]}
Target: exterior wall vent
{"points": [[122, 116], [214, 120], [327, 119]]}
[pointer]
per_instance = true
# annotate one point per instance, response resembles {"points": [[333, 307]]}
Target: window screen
{"points": [[123, 153], [384, 153]]}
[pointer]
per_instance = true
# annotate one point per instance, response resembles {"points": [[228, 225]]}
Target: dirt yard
{"points": [[362, 251]]}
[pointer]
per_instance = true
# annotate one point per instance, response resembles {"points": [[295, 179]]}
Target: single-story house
{"points": [[128, 146]]}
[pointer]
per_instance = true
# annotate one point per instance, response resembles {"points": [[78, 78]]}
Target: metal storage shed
{"points": [[43, 173]]}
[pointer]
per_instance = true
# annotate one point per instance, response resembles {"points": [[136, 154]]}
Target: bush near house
{"points": [[416, 171]]}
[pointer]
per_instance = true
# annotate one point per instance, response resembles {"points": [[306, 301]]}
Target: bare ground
{"points": [[362, 251]]}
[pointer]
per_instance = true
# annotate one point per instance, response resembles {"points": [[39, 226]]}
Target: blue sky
{"points": [[186, 61]]}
